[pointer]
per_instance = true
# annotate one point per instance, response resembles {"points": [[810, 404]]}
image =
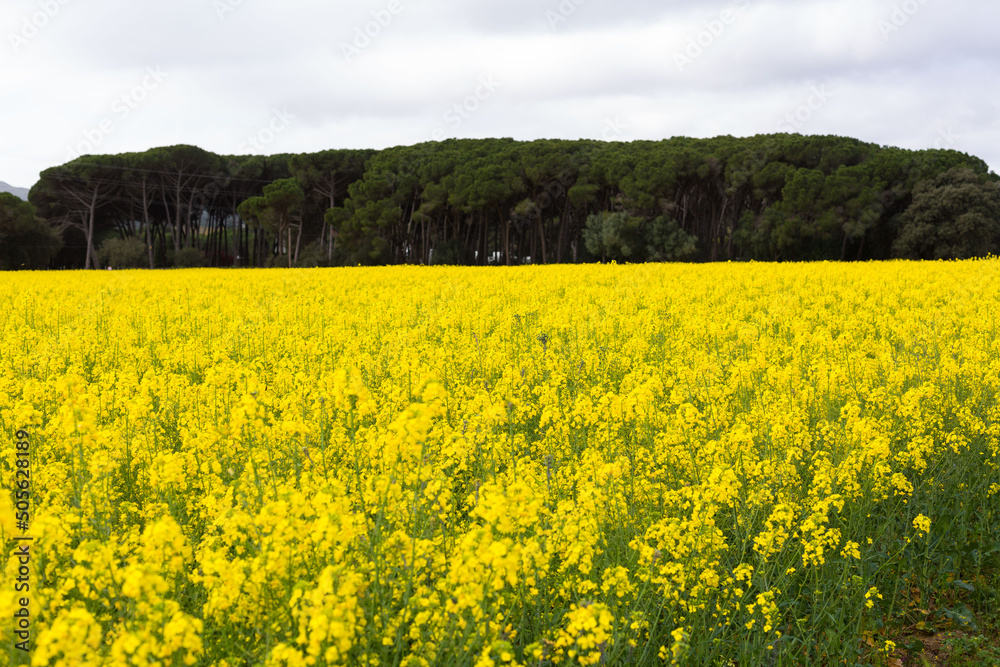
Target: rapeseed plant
{"points": [[762, 464]]}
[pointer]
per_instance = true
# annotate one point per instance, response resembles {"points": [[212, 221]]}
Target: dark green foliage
{"points": [[127, 253], [313, 255], [26, 241], [277, 211], [955, 216], [189, 258], [499, 201], [667, 242], [614, 237], [451, 252]]}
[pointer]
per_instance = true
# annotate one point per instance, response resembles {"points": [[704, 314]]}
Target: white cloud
{"points": [[570, 78]]}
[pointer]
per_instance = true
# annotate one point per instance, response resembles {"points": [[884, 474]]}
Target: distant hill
{"points": [[19, 192]]}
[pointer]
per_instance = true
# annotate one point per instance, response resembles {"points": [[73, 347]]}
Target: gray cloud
{"points": [[914, 73]]}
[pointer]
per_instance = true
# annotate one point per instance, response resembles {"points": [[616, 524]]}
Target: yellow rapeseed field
{"points": [[718, 464]]}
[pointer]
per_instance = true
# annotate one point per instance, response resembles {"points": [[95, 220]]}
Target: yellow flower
{"points": [[922, 524], [355, 466], [851, 550]]}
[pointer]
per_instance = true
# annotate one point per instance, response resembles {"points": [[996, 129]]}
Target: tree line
{"points": [[780, 197]]}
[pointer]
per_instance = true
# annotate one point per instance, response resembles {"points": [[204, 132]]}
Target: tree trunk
{"points": [[91, 215], [145, 222], [298, 240], [506, 241], [541, 237]]}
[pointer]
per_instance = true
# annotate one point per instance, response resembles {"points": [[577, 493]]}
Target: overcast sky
{"points": [[260, 76]]}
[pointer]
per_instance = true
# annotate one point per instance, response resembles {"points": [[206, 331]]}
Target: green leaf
{"points": [[958, 583], [961, 616]]}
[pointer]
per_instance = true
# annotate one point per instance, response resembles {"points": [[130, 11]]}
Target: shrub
{"points": [[187, 258], [130, 253]]}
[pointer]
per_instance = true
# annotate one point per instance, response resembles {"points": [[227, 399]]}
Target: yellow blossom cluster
{"points": [[509, 466]]}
